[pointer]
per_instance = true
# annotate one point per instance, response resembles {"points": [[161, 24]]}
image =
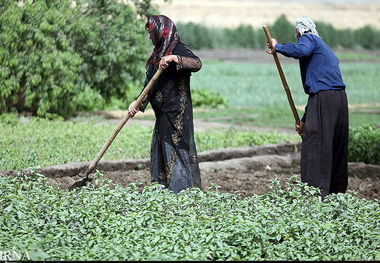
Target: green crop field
{"points": [[255, 94], [106, 223], [249, 84]]}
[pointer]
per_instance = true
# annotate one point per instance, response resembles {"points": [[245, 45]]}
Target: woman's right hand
{"points": [[133, 108], [299, 127], [165, 60]]}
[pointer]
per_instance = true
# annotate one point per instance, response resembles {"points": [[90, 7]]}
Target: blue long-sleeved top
{"points": [[319, 65]]}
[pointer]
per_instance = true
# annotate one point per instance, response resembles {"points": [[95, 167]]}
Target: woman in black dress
{"points": [[174, 162]]}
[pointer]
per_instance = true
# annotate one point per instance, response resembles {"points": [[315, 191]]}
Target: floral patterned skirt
{"points": [[174, 162]]}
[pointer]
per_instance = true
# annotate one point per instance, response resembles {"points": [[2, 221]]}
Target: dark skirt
{"points": [[174, 162], [325, 142]]}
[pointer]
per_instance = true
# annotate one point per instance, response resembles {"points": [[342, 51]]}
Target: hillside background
{"points": [[232, 13]]}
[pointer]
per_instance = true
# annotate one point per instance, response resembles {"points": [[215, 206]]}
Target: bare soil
{"points": [[244, 170], [250, 175]]}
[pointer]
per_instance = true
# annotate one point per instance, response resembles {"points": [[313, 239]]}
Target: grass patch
{"points": [[273, 116], [356, 56], [357, 119], [40, 143], [118, 223]]}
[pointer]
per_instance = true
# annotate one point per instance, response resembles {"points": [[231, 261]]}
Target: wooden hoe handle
{"points": [[282, 76], [121, 124]]}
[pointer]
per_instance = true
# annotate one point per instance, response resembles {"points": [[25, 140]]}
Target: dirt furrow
{"points": [[247, 170]]}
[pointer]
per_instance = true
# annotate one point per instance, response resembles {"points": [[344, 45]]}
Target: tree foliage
{"points": [[196, 35], [38, 65], [202, 37], [283, 30], [113, 52], [365, 36], [328, 33], [60, 56]]}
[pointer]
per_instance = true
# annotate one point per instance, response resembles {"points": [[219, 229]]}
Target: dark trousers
{"points": [[325, 142]]}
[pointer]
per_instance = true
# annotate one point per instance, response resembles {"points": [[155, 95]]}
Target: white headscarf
{"points": [[305, 24]]}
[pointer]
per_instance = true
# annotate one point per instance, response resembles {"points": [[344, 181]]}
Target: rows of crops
{"points": [[252, 84], [121, 224]]}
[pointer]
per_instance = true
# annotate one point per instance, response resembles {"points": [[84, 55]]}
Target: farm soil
{"points": [[244, 170], [247, 176], [252, 178]]}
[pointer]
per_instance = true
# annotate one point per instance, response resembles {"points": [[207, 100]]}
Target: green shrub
{"points": [[201, 37], [377, 39], [364, 145], [57, 57], [207, 99], [104, 223], [113, 51], [244, 36], [38, 65], [88, 99]]}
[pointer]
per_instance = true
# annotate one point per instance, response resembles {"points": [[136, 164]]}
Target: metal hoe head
{"points": [[81, 183]]}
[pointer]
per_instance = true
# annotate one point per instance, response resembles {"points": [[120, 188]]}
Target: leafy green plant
{"points": [[207, 99], [364, 145], [98, 222]]}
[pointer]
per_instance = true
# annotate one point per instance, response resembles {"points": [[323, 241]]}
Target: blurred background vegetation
{"points": [[198, 36], [61, 57]]}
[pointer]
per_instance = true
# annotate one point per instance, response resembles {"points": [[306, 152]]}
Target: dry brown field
{"points": [[232, 13]]}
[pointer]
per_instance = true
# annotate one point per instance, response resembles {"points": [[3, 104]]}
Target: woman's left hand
{"points": [[272, 46], [165, 60]]}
